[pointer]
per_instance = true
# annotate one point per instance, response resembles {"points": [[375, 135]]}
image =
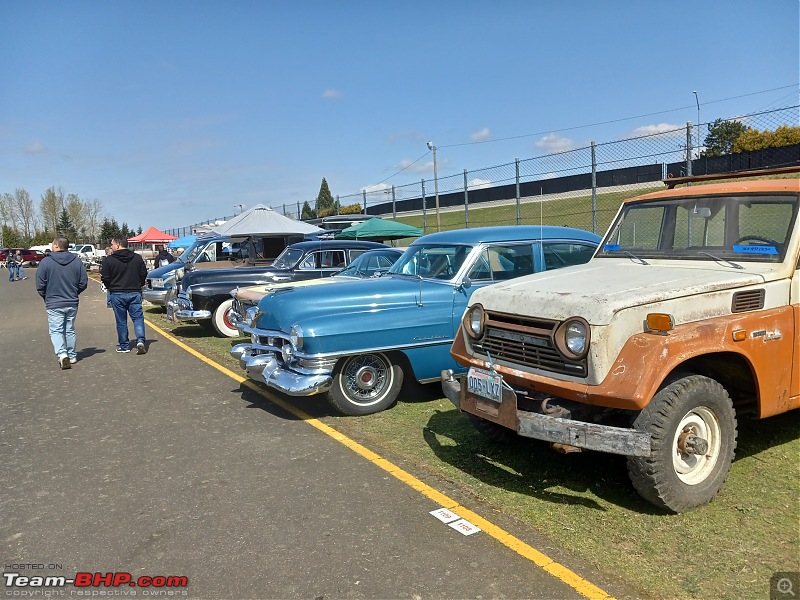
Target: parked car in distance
{"points": [[30, 258], [686, 320], [204, 296], [206, 250], [357, 341], [372, 263]]}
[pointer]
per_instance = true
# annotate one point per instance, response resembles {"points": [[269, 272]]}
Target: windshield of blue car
{"points": [[288, 258], [369, 264], [440, 262], [191, 252], [738, 228]]}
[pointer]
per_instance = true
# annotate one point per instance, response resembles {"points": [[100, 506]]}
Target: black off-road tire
{"points": [[669, 478], [492, 431], [365, 384]]}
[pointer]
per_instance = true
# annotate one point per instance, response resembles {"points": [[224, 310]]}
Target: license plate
{"points": [[157, 283], [485, 384]]}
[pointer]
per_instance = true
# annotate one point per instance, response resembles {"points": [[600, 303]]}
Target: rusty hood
{"points": [[601, 288]]}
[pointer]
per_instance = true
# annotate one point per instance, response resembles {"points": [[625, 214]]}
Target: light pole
{"points": [[241, 209], [435, 185], [697, 100]]}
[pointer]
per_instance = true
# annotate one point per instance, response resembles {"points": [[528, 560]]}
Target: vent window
{"points": [[749, 300]]}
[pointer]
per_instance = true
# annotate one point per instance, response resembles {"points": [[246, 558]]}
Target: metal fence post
{"points": [[466, 201], [364, 193], [299, 214], [594, 187], [338, 205], [516, 164], [424, 217], [689, 149], [394, 207]]}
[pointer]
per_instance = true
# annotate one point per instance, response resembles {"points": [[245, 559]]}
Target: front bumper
{"points": [[181, 310], [158, 296], [556, 430], [265, 368]]}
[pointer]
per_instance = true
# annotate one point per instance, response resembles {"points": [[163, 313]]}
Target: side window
{"points": [[354, 254], [309, 262], [331, 259], [480, 271], [565, 254]]}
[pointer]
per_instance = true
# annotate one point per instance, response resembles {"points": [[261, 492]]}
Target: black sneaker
{"points": [[64, 362], [140, 348], [120, 349]]}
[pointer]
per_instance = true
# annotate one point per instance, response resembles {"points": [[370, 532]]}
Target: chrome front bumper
{"points": [[155, 296], [178, 311], [556, 430], [264, 368]]}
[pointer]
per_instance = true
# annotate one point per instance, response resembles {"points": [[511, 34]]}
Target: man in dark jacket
{"points": [[123, 273], [60, 278], [162, 258]]}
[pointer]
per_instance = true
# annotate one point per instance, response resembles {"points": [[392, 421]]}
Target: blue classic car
{"points": [[356, 341]]}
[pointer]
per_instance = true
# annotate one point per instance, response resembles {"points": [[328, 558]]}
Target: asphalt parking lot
{"points": [[161, 465]]}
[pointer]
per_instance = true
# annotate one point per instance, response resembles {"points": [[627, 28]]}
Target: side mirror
{"points": [[466, 283]]}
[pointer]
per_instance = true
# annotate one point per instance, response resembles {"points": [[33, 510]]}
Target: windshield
{"points": [[369, 264], [740, 228], [432, 262], [288, 258]]}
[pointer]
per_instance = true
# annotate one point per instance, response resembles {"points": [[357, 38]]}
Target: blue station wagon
{"points": [[357, 341]]}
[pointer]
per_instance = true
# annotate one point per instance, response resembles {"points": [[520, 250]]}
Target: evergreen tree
{"points": [[325, 203], [65, 226], [307, 212], [721, 137]]}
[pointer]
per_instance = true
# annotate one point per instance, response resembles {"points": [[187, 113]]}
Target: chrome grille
{"points": [[527, 342]]}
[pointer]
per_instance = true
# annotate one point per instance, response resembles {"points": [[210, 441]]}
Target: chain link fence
{"points": [[581, 187]]}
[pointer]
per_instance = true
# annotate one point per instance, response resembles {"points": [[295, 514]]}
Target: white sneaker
{"points": [[72, 361]]}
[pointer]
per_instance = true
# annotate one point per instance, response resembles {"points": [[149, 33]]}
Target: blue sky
{"points": [[174, 112]]}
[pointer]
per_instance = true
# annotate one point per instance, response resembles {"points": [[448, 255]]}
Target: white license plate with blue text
{"points": [[485, 384]]}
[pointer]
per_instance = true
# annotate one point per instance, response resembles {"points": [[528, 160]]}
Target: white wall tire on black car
{"points": [[693, 429], [365, 384], [221, 320]]}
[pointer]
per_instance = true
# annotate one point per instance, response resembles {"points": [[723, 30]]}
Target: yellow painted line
{"points": [[555, 569]]}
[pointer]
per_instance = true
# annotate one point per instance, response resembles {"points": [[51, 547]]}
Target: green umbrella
{"points": [[378, 229]]}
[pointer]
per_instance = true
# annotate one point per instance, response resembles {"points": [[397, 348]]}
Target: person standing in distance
{"points": [[123, 273], [60, 279]]}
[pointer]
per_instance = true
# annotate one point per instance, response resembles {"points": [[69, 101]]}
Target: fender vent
{"points": [[749, 300]]}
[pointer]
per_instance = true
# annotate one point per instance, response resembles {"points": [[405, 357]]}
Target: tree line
{"points": [[326, 205], [24, 223]]}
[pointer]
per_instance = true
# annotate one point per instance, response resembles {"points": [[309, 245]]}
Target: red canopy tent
{"points": [[152, 236]]}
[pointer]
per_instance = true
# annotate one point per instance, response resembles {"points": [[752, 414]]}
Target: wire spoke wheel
{"points": [[365, 384]]}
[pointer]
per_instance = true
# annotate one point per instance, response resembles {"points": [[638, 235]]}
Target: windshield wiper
{"points": [[722, 260], [632, 255]]}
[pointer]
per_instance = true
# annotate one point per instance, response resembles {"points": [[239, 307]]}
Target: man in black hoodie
{"points": [[60, 278], [124, 273]]}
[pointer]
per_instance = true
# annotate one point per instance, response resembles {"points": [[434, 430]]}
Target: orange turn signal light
{"points": [[660, 322], [739, 335]]}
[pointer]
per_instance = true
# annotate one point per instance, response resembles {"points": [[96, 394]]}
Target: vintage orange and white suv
{"points": [[686, 319]]}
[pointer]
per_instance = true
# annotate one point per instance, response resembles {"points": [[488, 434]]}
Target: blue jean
{"points": [[123, 304], [20, 272], [61, 322], [12, 272]]}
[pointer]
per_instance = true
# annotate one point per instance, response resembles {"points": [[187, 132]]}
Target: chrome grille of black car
{"points": [[528, 342]]}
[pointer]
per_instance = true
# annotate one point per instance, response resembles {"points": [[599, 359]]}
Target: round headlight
{"points": [[296, 336], [572, 338], [287, 352], [475, 321]]}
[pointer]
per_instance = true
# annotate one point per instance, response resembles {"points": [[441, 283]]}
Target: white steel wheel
{"points": [[690, 466]]}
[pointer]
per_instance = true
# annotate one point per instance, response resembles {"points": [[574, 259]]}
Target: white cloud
{"points": [[480, 136], [553, 142], [36, 148], [331, 93], [418, 167], [477, 184], [377, 188], [654, 129]]}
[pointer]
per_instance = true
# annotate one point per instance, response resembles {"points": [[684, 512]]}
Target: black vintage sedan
{"points": [[204, 296]]}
